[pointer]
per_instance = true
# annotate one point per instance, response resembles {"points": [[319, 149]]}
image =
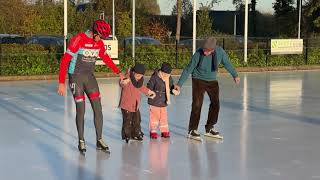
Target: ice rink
{"points": [[270, 124]]}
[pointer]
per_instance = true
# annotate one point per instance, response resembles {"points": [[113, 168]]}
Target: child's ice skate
{"points": [[138, 138], [165, 134], [153, 135]]}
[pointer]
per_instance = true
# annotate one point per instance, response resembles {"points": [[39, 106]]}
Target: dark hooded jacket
{"points": [[157, 85]]}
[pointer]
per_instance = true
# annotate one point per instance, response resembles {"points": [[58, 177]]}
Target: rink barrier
{"points": [[174, 72]]}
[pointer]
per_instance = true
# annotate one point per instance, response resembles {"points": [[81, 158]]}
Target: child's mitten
{"points": [[151, 94], [175, 92], [125, 81]]}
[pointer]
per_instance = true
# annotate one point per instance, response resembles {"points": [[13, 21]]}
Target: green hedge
{"points": [[314, 56], [259, 58], [28, 60], [37, 60]]}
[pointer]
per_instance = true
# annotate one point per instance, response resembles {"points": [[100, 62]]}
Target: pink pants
{"points": [[158, 114]]}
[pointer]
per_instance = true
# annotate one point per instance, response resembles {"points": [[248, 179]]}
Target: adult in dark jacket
{"points": [[204, 69]]}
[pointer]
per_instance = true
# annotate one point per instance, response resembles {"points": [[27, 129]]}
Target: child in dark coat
{"points": [[162, 84]]}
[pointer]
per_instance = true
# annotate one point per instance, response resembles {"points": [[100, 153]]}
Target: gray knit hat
{"points": [[210, 43]]}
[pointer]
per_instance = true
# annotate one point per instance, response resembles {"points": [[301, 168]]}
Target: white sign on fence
{"points": [[286, 46], [112, 50]]}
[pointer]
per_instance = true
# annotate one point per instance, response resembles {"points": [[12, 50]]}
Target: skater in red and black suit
{"points": [[79, 61]]}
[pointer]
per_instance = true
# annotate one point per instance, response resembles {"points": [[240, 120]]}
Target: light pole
{"points": [[133, 27], [235, 25], [113, 22], [246, 32], [194, 30], [299, 25], [65, 23]]}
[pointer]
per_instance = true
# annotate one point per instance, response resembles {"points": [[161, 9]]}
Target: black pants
{"points": [[81, 84], [199, 87], [131, 124]]}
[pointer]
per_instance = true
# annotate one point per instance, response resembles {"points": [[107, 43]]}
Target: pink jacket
{"points": [[130, 99]]}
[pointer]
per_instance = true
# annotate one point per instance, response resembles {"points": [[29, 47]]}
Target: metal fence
{"points": [[260, 47], [36, 59]]}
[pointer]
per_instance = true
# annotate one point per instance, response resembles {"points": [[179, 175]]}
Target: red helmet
{"points": [[102, 28]]}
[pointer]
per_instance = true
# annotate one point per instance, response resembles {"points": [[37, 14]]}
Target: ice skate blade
{"points": [[214, 136], [83, 153], [103, 150], [195, 138]]}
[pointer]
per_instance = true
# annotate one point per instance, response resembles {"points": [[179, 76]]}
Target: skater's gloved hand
{"points": [[61, 89], [125, 81], [151, 94], [175, 92], [237, 80]]}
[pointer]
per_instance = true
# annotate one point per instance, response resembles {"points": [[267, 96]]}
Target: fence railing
{"points": [[38, 60]]}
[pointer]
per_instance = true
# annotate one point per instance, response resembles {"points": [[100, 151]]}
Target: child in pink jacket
{"points": [[130, 100]]}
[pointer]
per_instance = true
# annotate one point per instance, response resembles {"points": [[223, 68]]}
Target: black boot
{"points": [[102, 146], [82, 146]]}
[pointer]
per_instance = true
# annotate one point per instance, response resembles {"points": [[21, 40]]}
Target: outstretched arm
{"points": [[107, 60], [189, 69]]}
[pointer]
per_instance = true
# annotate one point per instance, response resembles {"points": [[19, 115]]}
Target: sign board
{"points": [[286, 46], [112, 50]]}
